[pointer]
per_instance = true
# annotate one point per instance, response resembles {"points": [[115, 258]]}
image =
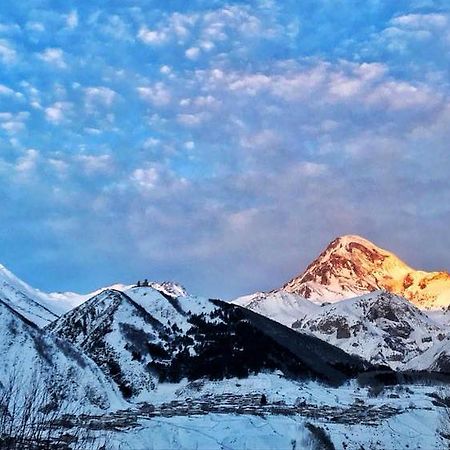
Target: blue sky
{"points": [[219, 144]]}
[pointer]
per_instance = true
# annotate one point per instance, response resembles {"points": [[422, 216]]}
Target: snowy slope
{"points": [[31, 355], [280, 306], [42, 307], [343, 414], [352, 266], [27, 301], [435, 359], [39, 307], [65, 301], [143, 336], [380, 327], [113, 328]]}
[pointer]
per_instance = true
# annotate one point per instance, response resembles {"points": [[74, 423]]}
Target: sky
{"points": [[219, 144]]}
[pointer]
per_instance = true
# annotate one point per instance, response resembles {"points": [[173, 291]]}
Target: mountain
{"points": [[435, 359], [33, 358], [380, 327], [41, 308], [144, 336], [280, 306], [27, 301], [352, 266]]}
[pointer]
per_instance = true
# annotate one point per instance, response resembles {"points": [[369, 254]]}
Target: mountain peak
{"points": [[348, 238], [350, 242], [352, 265]]}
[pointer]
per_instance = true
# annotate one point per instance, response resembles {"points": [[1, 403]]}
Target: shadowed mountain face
{"points": [[380, 327], [351, 266], [143, 336]]}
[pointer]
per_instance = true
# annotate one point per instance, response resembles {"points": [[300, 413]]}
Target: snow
{"points": [[416, 427], [379, 327], [280, 306], [29, 302], [429, 360], [42, 308], [159, 307], [351, 266], [242, 432], [35, 356], [65, 301], [85, 385]]}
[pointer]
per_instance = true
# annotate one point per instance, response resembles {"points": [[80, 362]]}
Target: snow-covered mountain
{"points": [[31, 355], [144, 336], [435, 359], [27, 301], [41, 308], [351, 266], [280, 306], [380, 327]]}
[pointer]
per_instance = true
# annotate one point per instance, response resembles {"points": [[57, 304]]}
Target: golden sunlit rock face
{"points": [[352, 265]]}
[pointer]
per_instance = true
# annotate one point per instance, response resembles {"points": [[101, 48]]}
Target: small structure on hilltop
{"points": [[142, 283]]}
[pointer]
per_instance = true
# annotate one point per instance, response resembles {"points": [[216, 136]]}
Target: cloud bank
{"points": [[220, 144]]}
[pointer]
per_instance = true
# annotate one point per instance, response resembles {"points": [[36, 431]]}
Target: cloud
{"points": [[190, 136], [192, 120], [7, 53], [99, 95], [93, 164], [158, 94], [37, 27], [420, 21], [57, 112], [72, 20], [146, 178], [54, 57], [59, 166], [151, 142], [13, 126], [27, 163], [192, 53], [13, 123], [152, 37], [5, 90], [166, 70]]}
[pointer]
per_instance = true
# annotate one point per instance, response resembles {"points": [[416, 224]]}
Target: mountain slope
{"points": [[280, 306], [352, 266], [380, 327], [42, 307], [29, 302], [144, 336], [435, 359], [30, 355]]}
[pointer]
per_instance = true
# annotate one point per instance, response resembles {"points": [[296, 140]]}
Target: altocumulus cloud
{"points": [[219, 144]]}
